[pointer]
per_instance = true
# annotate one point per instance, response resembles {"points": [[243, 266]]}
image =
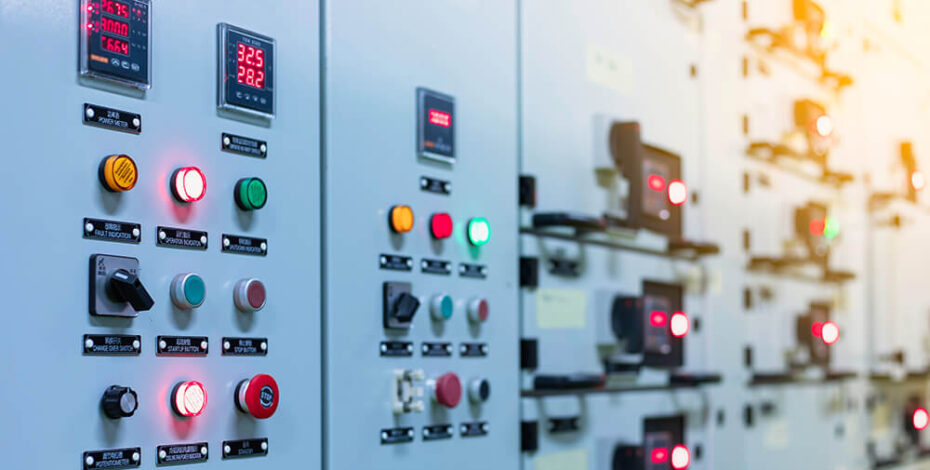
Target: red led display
{"points": [[115, 8], [659, 455], [114, 45], [656, 182], [251, 66], [113, 26], [658, 318], [440, 118]]}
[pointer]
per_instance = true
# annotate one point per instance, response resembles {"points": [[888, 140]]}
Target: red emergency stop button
{"points": [[441, 225], [258, 396], [448, 390]]}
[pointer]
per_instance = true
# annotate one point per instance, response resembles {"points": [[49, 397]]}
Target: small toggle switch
{"points": [[479, 390], [188, 291], [258, 396], [119, 402], [125, 286], [478, 309], [249, 295], [441, 307]]}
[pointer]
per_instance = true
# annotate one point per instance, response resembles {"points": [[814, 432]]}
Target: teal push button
{"points": [[442, 307], [188, 291]]}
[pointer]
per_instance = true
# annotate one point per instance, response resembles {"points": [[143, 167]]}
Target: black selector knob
{"points": [[119, 402], [405, 307], [126, 286]]}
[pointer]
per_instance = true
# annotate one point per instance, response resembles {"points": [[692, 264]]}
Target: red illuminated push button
{"points": [[441, 225], [188, 398], [188, 184], [447, 390], [258, 396], [478, 310], [249, 295]]}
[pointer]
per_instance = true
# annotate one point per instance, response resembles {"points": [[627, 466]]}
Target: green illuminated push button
{"points": [[479, 231], [188, 291], [251, 194]]}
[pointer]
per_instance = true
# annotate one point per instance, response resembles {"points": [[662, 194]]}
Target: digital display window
{"points": [[115, 41], [435, 125], [246, 71]]}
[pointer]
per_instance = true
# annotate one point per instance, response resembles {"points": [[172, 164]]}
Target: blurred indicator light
{"points": [[817, 227], [118, 173], [656, 182], [679, 324], [677, 192], [918, 180], [681, 457], [823, 125], [189, 398], [830, 333], [188, 184], [441, 225], [479, 231], [401, 218], [920, 419], [817, 329], [251, 194], [659, 455], [657, 319], [831, 227]]}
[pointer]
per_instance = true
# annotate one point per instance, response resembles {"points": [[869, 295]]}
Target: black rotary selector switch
{"points": [[119, 402], [125, 286], [400, 305]]}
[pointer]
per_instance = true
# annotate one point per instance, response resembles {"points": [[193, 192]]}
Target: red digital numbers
{"points": [[251, 70], [115, 8], [114, 26], [114, 45], [440, 118]]}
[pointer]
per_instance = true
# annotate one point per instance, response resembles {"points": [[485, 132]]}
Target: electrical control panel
{"points": [[421, 318], [159, 318]]}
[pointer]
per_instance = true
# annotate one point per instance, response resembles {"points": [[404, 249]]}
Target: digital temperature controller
{"points": [[115, 38], [246, 71]]}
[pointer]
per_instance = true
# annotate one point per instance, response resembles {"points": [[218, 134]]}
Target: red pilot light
{"points": [[656, 182], [679, 324], [681, 457], [817, 329], [188, 184], [441, 225], [659, 455], [258, 396], [657, 319], [830, 333], [920, 419], [188, 398], [677, 192]]}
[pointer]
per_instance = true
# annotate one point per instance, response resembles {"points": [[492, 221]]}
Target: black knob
{"points": [[119, 402], [126, 286], [405, 307]]}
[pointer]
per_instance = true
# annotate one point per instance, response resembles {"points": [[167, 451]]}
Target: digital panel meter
{"points": [[435, 125], [115, 41], [246, 71]]}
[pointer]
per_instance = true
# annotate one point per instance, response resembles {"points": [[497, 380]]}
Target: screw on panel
{"points": [[226, 345], [90, 114], [88, 343], [263, 148], [135, 456], [226, 141], [89, 461], [136, 232], [264, 246], [383, 348], [203, 450], [227, 449], [203, 239], [226, 242], [409, 263], [162, 454], [162, 235], [162, 344], [264, 445], [136, 344], [90, 227], [203, 345], [136, 122], [263, 345]]}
